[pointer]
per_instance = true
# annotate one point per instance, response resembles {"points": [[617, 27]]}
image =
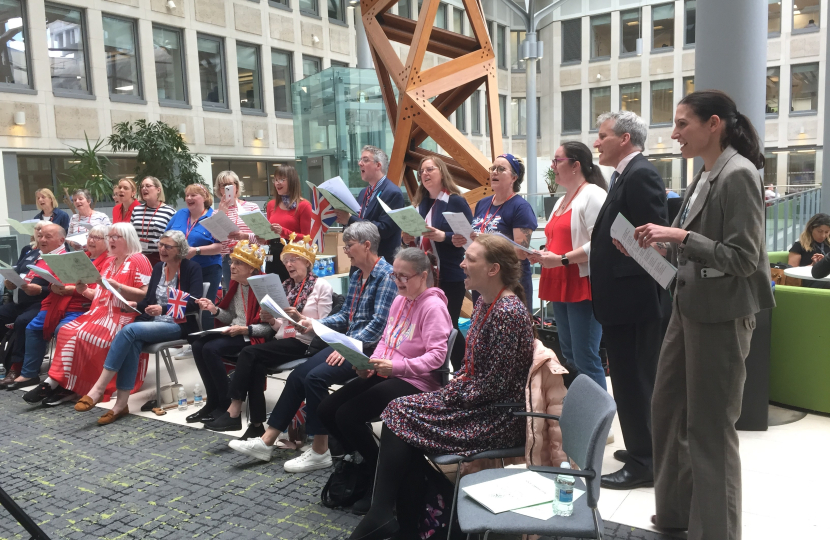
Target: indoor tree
{"points": [[87, 170]]}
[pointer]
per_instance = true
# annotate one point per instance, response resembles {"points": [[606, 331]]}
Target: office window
{"points": [[441, 16], [662, 18], [336, 10], [458, 17], [572, 40], [475, 113], [285, 3], [601, 36], [662, 102], [572, 111], [801, 168], [310, 6], [774, 17], [770, 168], [311, 65], [120, 48], [503, 114], [688, 85], [283, 75], [13, 55], [168, 53], [335, 63], [630, 98], [249, 76], [461, 118], [516, 38], [501, 45], [518, 115], [66, 39], [211, 53], [689, 29], [629, 30], [773, 87], [600, 102], [806, 14], [538, 118], [405, 8], [804, 87]]}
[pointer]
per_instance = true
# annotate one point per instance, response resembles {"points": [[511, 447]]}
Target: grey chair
{"points": [[585, 421]]}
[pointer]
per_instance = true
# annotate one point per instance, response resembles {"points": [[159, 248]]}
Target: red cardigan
{"points": [[297, 220], [116, 212]]}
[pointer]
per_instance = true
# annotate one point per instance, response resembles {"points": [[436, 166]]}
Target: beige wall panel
{"points": [[773, 50], [810, 125], [603, 70], [9, 128], [339, 41], [518, 83], [282, 27], [285, 135], [74, 122], [630, 69], [210, 11], [688, 61], [219, 132], [249, 129], [247, 19], [659, 65], [174, 120], [307, 30], [570, 77], [126, 116], [503, 79], [161, 7], [771, 131], [805, 46]]}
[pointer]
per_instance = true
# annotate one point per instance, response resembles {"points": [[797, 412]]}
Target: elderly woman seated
{"points": [[462, 417], [160, 321], [308, 296]]}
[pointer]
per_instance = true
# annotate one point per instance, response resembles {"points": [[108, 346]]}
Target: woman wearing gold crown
{"points": [[239, 312], [309, 297]]}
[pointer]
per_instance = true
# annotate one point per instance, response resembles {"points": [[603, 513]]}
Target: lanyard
{"points": [[395, 334], [144, 215], [300, 292], [191, 227], [358, 295], [367, 197], [485, 222], [469, 367]]}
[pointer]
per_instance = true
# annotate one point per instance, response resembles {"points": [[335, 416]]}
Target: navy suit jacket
{"points": [[390, 233], [449, 256], [190, 281]]}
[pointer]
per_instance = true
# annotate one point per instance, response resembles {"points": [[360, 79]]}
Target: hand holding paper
{"points": [[407, 218], [220, 226], [459, 224], [259, 224], [108, 286], [338, 195], [649, 258]]}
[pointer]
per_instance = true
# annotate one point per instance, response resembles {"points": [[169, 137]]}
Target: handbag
{"points": [[424, 507], [346, 485]]}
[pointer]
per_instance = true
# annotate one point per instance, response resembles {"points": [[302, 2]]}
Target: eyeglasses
{"points": [[291, 260], [557, 160], [94, 237], [426, 170], [402, 278], [166, 246], [497, 169], [115, 237], [367, 160], [347, 247], [280, 180]]}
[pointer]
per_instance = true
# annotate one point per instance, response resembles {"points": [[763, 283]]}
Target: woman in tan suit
{"points": [[717, 243]]}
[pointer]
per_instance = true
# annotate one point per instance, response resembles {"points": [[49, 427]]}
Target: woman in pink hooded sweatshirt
{"points": [[414, 344]]}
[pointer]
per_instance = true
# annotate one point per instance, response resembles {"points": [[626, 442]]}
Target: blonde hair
{"points": [[806, 237], [222, 179], [129, 181], [49, 194], [156, 182], [446, 180], [201, 190]]}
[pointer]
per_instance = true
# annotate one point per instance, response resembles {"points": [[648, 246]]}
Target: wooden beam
{"points": [[404, 123], [491, 87], [443, 42], [383, 49], [420, 39], [386, 89], [449, 75]]}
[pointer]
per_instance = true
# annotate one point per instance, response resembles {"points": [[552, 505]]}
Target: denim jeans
{"points": [[210, 274], [579, 336], [126, 348], [36, 345]]}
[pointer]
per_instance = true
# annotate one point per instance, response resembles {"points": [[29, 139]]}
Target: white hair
{"points": [[130, 236], [627, 122]]}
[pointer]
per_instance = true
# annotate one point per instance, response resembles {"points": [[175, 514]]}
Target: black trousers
{"points": [[208, 350], [346, 413], [20, 316], [251, 371], [633, 352], [455, 292], [275, 265]]}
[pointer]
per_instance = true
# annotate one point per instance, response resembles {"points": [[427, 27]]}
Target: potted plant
{"points": [[87, 170], [550, 181]]}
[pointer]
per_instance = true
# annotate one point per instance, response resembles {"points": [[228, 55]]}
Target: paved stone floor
{"points": [[141, 478]]}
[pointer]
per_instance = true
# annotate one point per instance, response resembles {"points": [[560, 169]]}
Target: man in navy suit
{"points": [[373, 165], [628, 302]]}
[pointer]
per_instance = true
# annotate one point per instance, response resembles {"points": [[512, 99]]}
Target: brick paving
{"points": [[142, 478]]}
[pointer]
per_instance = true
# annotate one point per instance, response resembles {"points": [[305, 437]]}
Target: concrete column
{"points": [[364, 54], [825, 161]]}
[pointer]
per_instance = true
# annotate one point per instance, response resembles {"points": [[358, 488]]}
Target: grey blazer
{"points": [[726, 227]]}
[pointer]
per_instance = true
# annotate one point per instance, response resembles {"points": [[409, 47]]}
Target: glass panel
{"points": [[311, 66], [572, 110], [688, 85], [773, 86], [441, 16], [67, 54], [629, 30], [630, 98], [211, 70], [774, 17], [801, 168], [34, 173], [218, 165], [309, 6], [168, 54], [689, 30], [458, 17], [600, 102], [572, 40], [253, 175], [518, 114], [516, 38], [770, 169], [662, 95], [248, 73], [336, 10], [805, 88], [601, 36], [501, 45], [281, 73], [461, 118], [14, 65], [806, 14], [122, 64], [663, 26], [405, 9], [475, 107], [503, 114]]}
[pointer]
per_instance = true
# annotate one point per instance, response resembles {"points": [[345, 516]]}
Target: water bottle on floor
{"points": [[182, 399], [198, 402], [563, 504], [2, 371]]}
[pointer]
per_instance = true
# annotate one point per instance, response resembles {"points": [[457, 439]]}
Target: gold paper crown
{"points": [[301, 248], [251, 254]]}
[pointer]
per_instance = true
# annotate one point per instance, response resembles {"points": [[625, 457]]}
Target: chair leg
{"points": [[596, 524], [454, 495], [168, 362], [158, 382]]}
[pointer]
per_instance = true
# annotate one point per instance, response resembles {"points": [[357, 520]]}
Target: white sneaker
{"points": [[184, 352], [254, 448], [308, 461]]}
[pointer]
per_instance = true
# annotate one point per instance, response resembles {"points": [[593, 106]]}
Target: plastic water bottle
{"points": [[197, 396], [2, 371], [331, 267], [563, 504], [182, 398]]}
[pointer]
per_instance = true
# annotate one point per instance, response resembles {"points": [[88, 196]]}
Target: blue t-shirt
{"points": [[197, 237], [515, 213]]}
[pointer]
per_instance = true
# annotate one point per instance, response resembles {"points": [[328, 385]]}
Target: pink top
{"points": [[317, 306], [297, 220]]}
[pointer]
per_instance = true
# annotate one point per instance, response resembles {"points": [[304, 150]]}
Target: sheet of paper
{"points": [[44, 274], [274, 309], [337, 193], [84, 226], [11, 275], [269, 285], [515, 245], [73, 267], [79, 238], [649, 258], [544, 511], [259, 224], [219, 225], [350, 348], [407, 218], [459, 224], [32, 220], [511, 492], [108, 286], [27, 229], [358, 360]]}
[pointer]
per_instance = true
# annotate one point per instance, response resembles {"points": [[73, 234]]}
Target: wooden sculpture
{"points": [[414, 117]]}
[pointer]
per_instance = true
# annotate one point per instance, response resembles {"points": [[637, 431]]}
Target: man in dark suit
{"points": [[627, 301], [373, 165]]}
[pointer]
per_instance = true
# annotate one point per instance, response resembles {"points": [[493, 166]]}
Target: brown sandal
{"points": [[84, 404], [111, 417]]}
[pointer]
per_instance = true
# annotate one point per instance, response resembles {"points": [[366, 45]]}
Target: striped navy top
{"points": [[150, 224]]}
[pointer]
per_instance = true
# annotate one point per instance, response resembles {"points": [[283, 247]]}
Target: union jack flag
{"points": [[323, 217], [176, 303], [299, 417]]}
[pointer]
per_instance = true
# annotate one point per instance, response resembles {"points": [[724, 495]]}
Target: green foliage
{"points": [[87, 170], [550, 180], [162, 152]]}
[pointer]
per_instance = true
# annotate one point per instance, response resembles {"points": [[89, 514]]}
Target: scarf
{"points": [[251, 309], [292, 291], [286, 200]]}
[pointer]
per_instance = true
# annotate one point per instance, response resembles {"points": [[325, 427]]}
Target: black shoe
{"points": [[667, 529], [28, 383], [253, 432], [202, 415], [224, 422], [632, 475], [361, 507], [59, 396], [367, 529], [149, 406], [622, 455], [38, 394]]}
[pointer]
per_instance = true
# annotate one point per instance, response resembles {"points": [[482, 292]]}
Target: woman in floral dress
{"points": [[461, 418]]}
